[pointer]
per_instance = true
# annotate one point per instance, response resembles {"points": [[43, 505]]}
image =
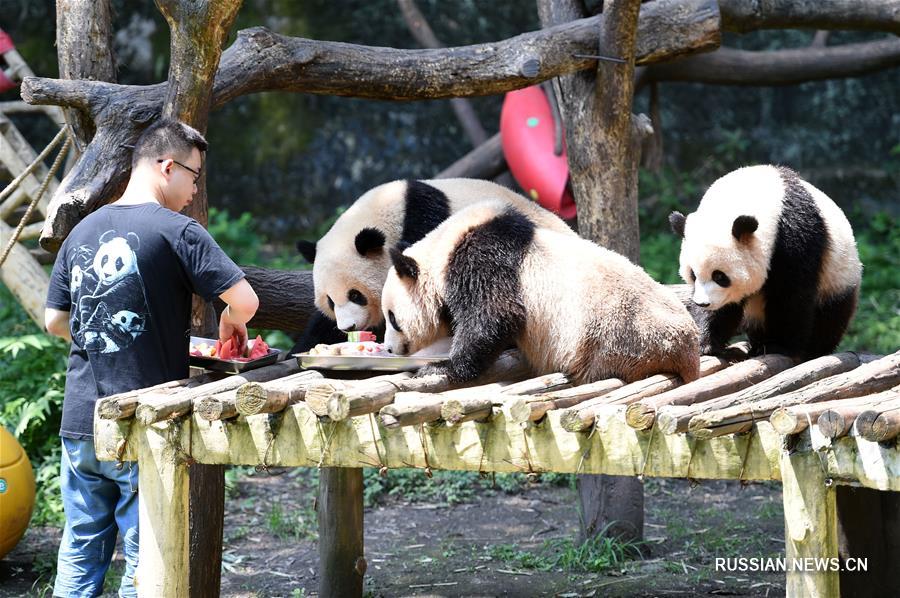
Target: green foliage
{"points": [[31, 392], [876, 326], [297, 524]]}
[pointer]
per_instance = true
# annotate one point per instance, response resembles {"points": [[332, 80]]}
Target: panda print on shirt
{"points": [[108, 290]]}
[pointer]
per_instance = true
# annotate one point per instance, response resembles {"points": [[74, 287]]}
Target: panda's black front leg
{"points": [[717, 327], [475, 347]]}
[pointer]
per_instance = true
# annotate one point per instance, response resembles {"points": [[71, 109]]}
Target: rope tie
{"points": [[428, 473], [383, 468], [34, 201]]}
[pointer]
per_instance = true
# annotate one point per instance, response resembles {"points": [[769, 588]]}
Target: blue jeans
{"points": [[99, 501]]}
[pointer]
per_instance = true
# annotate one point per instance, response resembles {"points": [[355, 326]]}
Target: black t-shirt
{"points": [[126, 274]]}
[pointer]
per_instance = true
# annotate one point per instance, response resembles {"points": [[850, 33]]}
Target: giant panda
{"points": [[493, 278], [351, 261], [769, 254]]}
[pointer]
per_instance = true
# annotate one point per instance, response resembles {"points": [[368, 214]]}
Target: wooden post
{"points": [[340, 508], [810, 526], [163, 478]]}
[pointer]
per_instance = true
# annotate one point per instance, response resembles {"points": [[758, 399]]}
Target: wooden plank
{"points": [[24, 277], [810, 525]]}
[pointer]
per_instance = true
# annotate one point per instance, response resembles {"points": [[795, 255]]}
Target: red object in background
{"points": [[6, 44], [527, 134]]}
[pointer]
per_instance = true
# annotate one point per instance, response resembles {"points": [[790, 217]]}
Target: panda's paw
{"points": [[442, 368]]}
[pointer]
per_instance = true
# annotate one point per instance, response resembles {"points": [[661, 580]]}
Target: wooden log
{"points": [[365, 397], [869, 378], [886, 426], [164, 479], [864, 423], [345, 400], [675, 419], [122, 405], [273, 396], [581, 417], [642, 414], [810, 523], [153, 407], [218, 406], [538, 405], [23, 276], [410, 409], [793, 419], [837, 421], [457, 410]]}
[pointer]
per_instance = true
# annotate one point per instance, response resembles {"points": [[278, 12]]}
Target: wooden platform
{"points": [[489, 427]]}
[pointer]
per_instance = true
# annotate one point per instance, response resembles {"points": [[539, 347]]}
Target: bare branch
{"points": [[864, 15], [728, 66]]}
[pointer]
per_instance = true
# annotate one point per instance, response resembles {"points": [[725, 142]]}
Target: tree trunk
{"points": [[84, 51], [198, 31], [603, 140]]}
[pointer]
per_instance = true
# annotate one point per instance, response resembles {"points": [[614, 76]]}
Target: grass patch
{"points": [[296, 524], [596, 555]]}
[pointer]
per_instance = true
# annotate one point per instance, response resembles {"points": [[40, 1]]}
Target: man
{"points": [[120, 291]]}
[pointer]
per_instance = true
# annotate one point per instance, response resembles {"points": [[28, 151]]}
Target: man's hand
{"points": [[228, 328], [242, 304]]}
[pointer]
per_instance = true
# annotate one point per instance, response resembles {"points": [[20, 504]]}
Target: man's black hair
{"points": [[167, 137]]}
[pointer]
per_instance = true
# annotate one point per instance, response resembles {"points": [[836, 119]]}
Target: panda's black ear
{"points": [[676, 221], [368, 241], [406, 266], [743, 227], [307, 249]]}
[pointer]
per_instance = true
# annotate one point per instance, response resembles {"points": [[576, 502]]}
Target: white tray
{"points": [[365, 362]]}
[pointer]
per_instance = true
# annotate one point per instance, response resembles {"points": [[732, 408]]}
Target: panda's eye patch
{"points": [[393, 321], [357, 297], [721, 279], [330, 302]]}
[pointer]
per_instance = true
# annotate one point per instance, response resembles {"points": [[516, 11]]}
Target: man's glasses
{"points": [[196, 172]]}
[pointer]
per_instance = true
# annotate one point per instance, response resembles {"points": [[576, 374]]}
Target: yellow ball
{"points": [[16, 491]]}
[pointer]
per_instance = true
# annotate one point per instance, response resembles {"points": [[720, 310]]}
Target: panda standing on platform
{"points": [[351, 261], [493, 278], [769, 254]]}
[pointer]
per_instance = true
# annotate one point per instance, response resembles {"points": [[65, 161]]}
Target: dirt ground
{"points": [[483, 547]]}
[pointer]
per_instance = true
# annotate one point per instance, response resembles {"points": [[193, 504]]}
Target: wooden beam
{"points": [[24, 277], [163, 558], [810, 524], [340, 509]]}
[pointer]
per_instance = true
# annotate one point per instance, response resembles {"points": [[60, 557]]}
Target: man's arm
{"points": [[241, 305], [57, 323]]}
